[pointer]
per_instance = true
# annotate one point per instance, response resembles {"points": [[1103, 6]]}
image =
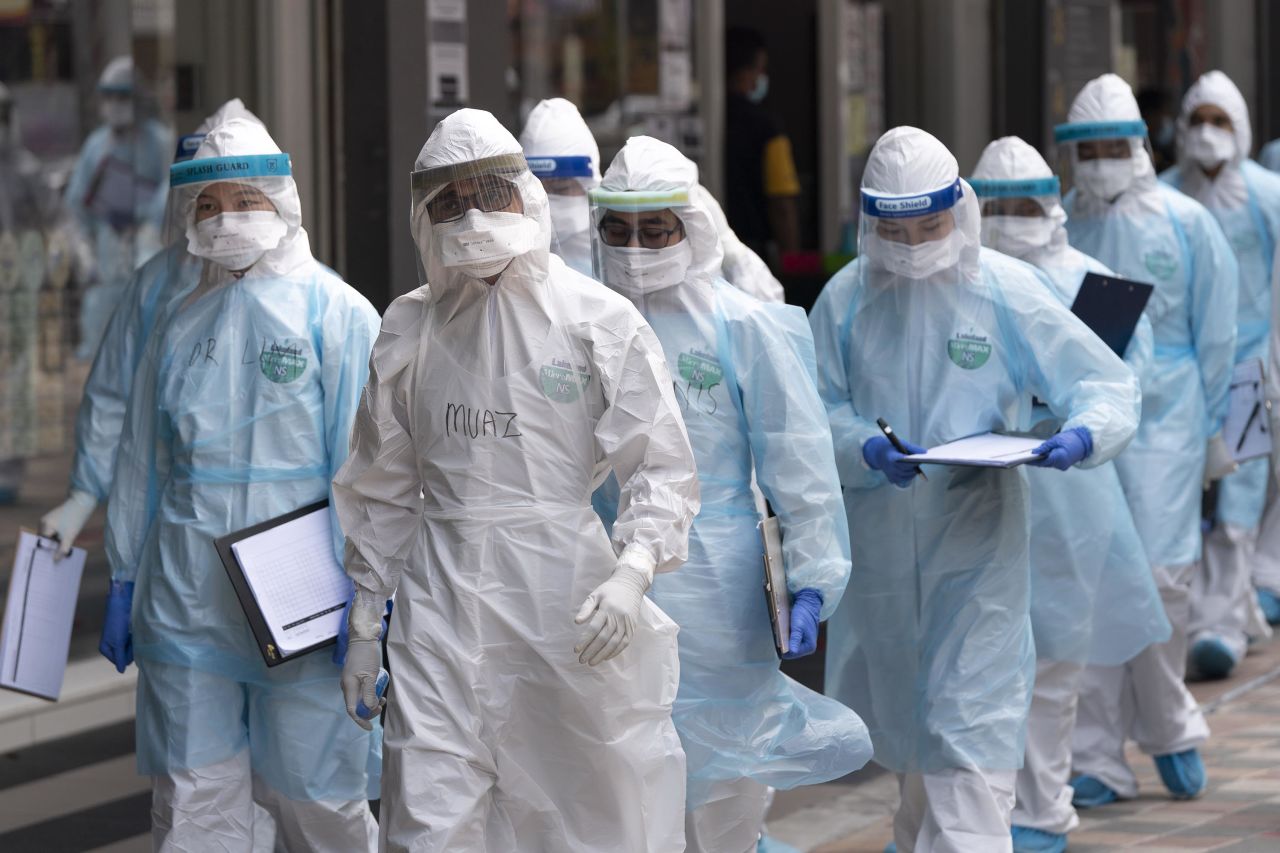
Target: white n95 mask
{"points": [[483, 244], [570, 214], [921, 260], [236, 240], [117, 112], [1209, 145], [1017, 235], [1104, 178], [634, 271]]}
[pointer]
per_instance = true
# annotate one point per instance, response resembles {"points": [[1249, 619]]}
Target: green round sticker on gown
{"points": [[969, 350], [282, 363], [700, 371], [562, 384], [1160, 263]]}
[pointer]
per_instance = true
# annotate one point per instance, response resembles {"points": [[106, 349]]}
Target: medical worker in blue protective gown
{"points": [[1214, 141], [240, 411], [1121, 215], [116, 195], [944, 339], [532, 680], [743, 374], [1093, 599], [106, 392]]}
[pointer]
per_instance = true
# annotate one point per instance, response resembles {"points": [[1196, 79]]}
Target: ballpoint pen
{"points": [[897, 443]]}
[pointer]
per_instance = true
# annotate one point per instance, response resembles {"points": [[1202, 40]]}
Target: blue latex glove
{"points": [[117, 639], [805, 609], [340, 650], [881, 455], [1065, 449], [380, 687]]}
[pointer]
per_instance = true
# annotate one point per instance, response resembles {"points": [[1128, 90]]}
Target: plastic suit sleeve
{"points": [[1083, 382], [350, 329], [106, 392], [849, 430], [795, 464], [643, 436], [1214, 288], [1141, 351], [78, 184], [377, 493]]}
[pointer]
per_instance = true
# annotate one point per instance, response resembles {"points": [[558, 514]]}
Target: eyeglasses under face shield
{"points": [[618, 230], [487, 185]]}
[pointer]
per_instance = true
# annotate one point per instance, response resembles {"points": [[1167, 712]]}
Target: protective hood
{"points": [[647, 166], [910, 173], [242, 151], [555, 129], [1011, 168], [1227, 189], [1106, 109], [117, 76], [470, 144]]}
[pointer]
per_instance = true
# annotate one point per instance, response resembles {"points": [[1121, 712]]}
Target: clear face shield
{"points": [[474, 218], [567, 181], [914, 236], [1104, 159], [1019, 216], [228, 209], [639, 241]]}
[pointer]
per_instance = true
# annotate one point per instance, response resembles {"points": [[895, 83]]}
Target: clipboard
{"points": [[1111, 307], [39, 610], [273, 652], [775, 585], [1247, 429]]}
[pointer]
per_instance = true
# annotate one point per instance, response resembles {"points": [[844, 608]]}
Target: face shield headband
{"points": [[545, 168], [908, 206], [1085, 130], [187, 146], [1031, 187], [210, 169], [425, 184]]}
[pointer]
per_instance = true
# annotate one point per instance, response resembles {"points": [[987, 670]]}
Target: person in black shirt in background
{"points": [[760, 174]]}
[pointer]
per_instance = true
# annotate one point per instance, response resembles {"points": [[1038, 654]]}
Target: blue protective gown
{"points": [[933, 646], [106, 392], [743, 372], [1162, 237], [1251, 230], [241, 411], [1093, 597]]}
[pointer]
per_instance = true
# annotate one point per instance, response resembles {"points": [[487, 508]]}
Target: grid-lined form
{"points": [[296, 579]]}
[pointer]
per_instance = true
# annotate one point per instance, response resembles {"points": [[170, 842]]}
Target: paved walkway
{"points": [[1239, 811]]}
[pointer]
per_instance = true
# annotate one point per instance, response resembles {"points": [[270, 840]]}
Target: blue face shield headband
{"points": [[1029, 188], [1084, 130], [544, 168], [917, 204], [209, 169], [187, 146]]}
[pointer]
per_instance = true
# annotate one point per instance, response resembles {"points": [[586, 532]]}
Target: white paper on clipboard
{"points": [[775, 585], [1247, 430], [38, 616]]}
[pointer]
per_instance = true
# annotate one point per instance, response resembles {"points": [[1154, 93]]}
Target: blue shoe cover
{"points": [[1270, 604], [1091, 793], [1028, 840], [773, 845], [8, 497], [1182, 773], [1210, 658], [891, 847]]}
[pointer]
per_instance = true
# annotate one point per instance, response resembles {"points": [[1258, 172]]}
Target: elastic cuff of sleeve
{"points": [[636, 558], [367, 610]]}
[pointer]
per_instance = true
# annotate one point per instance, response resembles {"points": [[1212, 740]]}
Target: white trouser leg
{"points": [[1222, 590], [1103, 712], [731, 819], [1166, 718], [1266, 553], [958, 810], [910, 813], [204, 809], [1043, 786], [318, 825]]}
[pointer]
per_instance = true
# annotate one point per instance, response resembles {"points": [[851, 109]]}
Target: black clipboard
{"points": [[1111, 307], [248, 603], [776, 594]]}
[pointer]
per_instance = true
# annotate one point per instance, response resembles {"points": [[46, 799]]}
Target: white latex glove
{"points": [[1218, 461], [65, 521], [364, 656], [612, 609]]}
